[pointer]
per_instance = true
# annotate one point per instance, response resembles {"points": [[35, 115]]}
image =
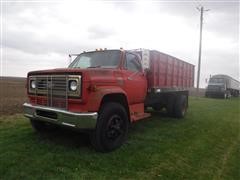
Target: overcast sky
{"points": [[40, 35]]}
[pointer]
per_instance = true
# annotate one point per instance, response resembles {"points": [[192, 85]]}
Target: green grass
{"points": [[204, 145]]}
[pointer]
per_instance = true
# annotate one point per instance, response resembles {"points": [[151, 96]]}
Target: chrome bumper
{"points": [[61, 117]]}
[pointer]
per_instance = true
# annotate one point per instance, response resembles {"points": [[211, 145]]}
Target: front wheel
{"points": [[111, 129]]}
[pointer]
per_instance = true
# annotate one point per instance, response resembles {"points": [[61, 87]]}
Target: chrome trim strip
{"points": [[60, 110], [67, 124], [63, 117], [29, 115]]}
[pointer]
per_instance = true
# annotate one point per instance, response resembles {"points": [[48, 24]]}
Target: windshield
{"points": [[215, 86], [216, 80], [97, 59]]}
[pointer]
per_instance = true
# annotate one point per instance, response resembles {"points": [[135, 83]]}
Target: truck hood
{"points": [[55, 71], [97, 75]]}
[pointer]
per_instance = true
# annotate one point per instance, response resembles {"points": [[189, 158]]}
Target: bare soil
{"points": [[12, 95]]}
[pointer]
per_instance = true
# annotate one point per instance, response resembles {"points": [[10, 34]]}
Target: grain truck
{"points": [[223, 86], [103, 91]]}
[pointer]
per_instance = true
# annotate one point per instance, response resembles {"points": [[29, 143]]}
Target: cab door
{"points": [[135, 83]]}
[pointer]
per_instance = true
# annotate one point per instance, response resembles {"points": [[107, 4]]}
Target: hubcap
{"points": [[115, 127]]}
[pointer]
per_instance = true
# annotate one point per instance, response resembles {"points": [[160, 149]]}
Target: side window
{"points": [[132, 63]]}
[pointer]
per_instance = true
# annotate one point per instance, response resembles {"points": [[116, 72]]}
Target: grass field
{"points": [[204, 145]]}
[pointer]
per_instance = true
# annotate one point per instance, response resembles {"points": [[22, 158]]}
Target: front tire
{"points": [[111, 129]]}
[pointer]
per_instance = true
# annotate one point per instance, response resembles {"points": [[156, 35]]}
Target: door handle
{"points": [[130, 77]]}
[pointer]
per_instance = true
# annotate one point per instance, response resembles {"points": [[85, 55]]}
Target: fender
{"points": [[95, 98]]}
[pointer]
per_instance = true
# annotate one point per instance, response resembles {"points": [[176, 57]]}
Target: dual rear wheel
{"points": [[176, 106]]}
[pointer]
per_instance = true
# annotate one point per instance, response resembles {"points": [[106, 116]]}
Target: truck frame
{"points": [[102, 92]]}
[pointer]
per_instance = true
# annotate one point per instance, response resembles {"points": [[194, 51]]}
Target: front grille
{"points": [[54, 88], [214, 88]]}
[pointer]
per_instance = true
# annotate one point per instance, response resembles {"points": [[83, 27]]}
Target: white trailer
{"points": [[222, 86]]}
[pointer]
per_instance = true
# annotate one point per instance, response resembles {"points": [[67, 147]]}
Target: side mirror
{"points": [[70, 58]]}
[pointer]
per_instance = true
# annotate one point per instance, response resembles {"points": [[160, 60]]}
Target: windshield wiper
{"points": [[94, 66]]}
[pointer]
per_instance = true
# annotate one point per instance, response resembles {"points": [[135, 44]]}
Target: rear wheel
{"points": [[170, 105], [180, 107], [229, 94], [225, 95], [157, 107], [111, 129]]}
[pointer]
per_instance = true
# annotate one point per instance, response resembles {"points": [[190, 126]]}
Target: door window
{"points": [[132, 63]]}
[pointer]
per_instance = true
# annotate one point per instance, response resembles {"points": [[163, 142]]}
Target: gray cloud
{"points": [[99, 32], [222, 19], [29, 42]]}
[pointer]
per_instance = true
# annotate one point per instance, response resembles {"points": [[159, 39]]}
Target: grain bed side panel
{"points": [[169, 72]]}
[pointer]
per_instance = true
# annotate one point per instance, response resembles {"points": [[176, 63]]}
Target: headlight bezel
{"points": [[78, 91]]}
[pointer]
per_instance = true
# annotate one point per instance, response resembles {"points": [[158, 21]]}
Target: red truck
{"points": [[102, 91]]}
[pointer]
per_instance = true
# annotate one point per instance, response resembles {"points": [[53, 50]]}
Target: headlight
{"points": [[33, 84], [73, 85]]}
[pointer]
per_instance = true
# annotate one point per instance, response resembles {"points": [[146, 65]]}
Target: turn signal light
{"points": [[92, 88]]}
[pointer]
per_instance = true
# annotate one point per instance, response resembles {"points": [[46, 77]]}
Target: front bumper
{"points": [[61, 117], [214, 93]]}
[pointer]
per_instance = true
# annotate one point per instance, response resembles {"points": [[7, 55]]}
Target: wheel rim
{"points": [[115, 128]]}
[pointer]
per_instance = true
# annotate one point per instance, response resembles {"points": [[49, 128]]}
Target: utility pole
{"points": [[201, 9]]}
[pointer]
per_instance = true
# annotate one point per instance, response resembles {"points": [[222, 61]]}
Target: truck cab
{"points": [[106, 84], [222, 86], [217, 87]]}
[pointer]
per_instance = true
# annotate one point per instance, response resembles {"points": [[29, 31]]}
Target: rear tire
{"points": [[180, 107], [157, 107], [170, 105], [111, 129], [225, 95]]}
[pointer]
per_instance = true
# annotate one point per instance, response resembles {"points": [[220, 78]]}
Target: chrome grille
{"points": [[54, 88]]}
